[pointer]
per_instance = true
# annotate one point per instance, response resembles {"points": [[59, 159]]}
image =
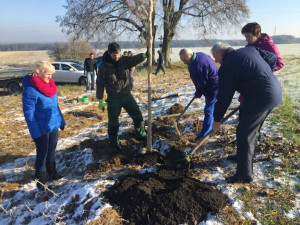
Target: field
{"points": [[103, 186]]}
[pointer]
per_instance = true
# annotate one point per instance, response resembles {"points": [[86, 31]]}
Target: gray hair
{"points": [[185, 51], [220, 46]]}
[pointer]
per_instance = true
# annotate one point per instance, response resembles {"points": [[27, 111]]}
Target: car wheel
{"points": [[82, 81], [14, 88]]}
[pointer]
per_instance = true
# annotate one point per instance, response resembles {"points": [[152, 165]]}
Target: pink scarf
{"points": [[48, 89]]}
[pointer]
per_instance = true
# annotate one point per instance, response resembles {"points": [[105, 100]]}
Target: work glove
{"points": [[101, 105], [146, 55]]}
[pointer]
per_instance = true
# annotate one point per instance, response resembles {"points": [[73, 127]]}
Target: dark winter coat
{"points": [[246, 71], [41, 113], [115, 76], [265, 42], [161, 58], [204, 75], [90, 65]]}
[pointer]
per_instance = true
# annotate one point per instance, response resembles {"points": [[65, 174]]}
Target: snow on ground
{"points": [[30, 207]]}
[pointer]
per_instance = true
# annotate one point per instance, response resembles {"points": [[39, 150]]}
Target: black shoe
{"points": [[116, 147], [42, 179], [51, 171], [232, 157], [238, 179]]}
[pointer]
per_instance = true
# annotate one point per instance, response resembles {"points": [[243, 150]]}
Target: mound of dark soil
{"points": [[167, 196], [176, 108], [149, 158]]}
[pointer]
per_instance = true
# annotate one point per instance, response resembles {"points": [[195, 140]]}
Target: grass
{"points": [[269, 206], [286, 117], [22, 58]]}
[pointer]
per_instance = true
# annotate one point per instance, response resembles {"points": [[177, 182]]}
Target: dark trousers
{"points": [[160, 66], [114, 107], [247, 133], [45, 150]]}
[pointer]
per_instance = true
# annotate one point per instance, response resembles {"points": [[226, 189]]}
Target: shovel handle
{"points": [[210, 132], [188, 105]]}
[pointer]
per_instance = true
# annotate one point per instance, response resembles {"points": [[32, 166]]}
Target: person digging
{"points": [[204, 75], [250, 72], [114, 76]]}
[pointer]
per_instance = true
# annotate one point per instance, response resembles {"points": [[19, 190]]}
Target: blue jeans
{"points": [[90, 79], [45, 150], [208, 117]]}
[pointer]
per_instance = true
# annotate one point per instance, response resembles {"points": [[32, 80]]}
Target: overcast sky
{"points": [[34, 20]]}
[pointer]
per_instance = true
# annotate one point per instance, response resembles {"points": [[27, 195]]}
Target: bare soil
{"points": [[167, 195]]}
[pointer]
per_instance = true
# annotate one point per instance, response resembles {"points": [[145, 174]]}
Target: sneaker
{"points": [[239, 179], [232, 157]]}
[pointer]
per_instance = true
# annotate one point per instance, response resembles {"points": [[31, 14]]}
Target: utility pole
{"points": [[149, 49]]}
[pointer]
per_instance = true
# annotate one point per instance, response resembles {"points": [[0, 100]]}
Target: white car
{"points": [[68, 72]]}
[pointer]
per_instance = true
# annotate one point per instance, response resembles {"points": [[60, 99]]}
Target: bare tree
{"points": [[97, 19], [207, 16]]}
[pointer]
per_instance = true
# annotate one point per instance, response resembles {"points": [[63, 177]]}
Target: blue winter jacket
{"points": [[204, 75], [42, 113], [248, 71]]}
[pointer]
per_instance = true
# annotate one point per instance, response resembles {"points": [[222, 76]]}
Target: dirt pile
{"points": [[176, 108], [167, 196]]}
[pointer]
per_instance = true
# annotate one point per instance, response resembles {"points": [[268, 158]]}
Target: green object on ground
{"points": [[84, 99]]}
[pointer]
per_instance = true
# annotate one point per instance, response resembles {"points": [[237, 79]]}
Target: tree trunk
{"points": [[166, 49]]}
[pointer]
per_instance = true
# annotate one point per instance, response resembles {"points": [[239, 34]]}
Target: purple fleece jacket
{"points": [[265, 42], [204, 75]]}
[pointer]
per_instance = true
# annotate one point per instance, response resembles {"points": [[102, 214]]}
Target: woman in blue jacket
{"points": [[43, 118]]}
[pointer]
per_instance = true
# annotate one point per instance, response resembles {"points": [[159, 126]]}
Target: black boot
{"points": [[51, 170], [140, 132], [113, 135], [42, 178]]}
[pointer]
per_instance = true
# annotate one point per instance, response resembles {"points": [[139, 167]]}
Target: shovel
{"points": [[184, 157], [179, 117]]}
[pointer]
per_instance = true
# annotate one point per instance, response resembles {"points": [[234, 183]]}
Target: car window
{"points": [[65, 67], [77, 66], [56, 66]]}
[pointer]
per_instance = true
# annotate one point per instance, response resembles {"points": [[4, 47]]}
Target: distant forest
{"points": [[278, 39]]}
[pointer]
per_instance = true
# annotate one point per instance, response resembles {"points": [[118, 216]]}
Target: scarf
{"points": [[48, 89]]}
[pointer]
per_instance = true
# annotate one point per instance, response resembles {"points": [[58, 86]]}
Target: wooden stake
{"points": [[149, 49]]}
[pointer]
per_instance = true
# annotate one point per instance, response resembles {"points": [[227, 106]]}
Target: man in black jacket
{"points": [[90, 67], [250, 72], [160, 62], [114, 76]]}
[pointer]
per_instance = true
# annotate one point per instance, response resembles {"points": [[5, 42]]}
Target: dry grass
{"points": [[108, 216], [22, 58]]}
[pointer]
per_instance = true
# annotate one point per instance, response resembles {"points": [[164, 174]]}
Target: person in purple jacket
{"points": [[204, 74], [254, 37]]}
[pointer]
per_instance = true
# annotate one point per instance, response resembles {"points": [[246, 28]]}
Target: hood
{"points": [[264, 39], [107, 59], [26, 82]]}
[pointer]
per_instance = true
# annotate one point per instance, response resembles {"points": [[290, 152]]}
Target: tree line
{"points": [[278, 39]]}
